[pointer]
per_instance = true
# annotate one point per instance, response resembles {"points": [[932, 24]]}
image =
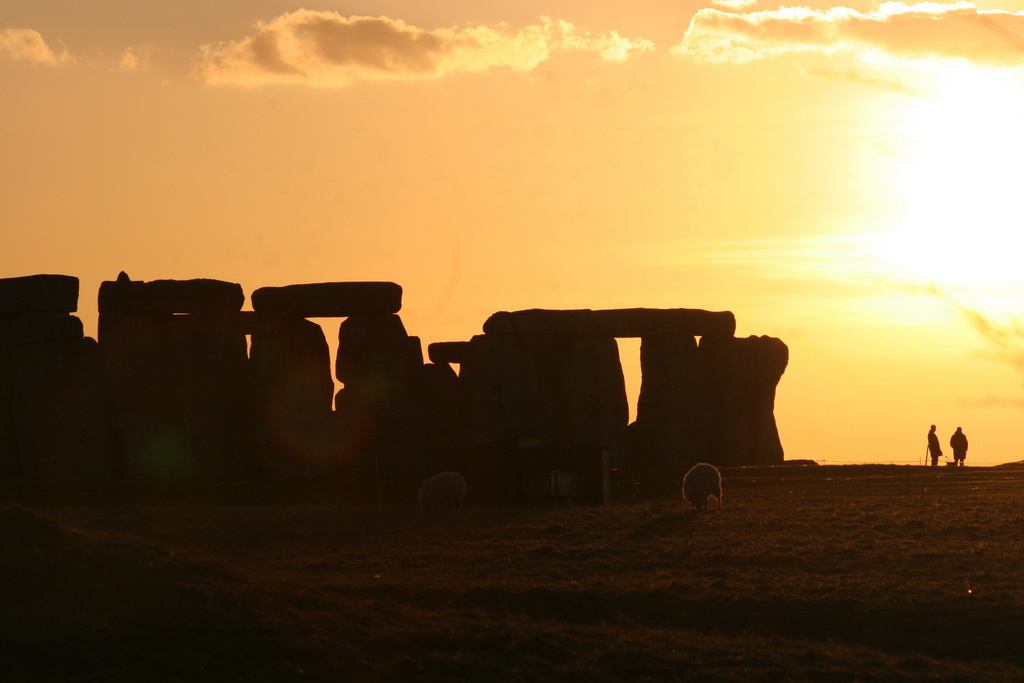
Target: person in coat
{"points": [[934, 451], [958, 442]]}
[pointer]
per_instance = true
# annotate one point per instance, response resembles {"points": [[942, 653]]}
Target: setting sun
{"points": [[960, 223]]}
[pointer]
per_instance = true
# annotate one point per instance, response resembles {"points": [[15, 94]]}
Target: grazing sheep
{"points": [[447, 487], [702, 482]]}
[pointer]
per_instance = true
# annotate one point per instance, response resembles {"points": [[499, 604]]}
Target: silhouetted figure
{"points": [[933, 446], [958, 442]]}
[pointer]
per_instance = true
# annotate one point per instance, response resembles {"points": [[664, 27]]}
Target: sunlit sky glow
{"points": [[843, 177]]}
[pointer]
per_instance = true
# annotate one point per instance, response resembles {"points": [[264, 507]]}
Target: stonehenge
{"points": [[182, 383]]}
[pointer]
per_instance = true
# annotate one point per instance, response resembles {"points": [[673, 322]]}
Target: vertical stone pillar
{"points": [[380, 366], [741, 376], [50, 391], [174, 362], [669, 429], [503, 390], [291, 369]]}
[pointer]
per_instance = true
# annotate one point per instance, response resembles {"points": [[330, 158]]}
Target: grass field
{"points": [[838, 573]]}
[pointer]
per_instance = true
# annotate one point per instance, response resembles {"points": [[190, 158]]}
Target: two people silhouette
{"points": [[958, 442]]}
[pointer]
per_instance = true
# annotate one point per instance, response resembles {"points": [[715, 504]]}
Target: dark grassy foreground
{"points": [[828, 574]]}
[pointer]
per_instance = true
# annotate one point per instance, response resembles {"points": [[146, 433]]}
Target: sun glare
{"points": [[960, 220]]}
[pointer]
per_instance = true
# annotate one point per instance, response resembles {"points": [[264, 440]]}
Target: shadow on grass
{"points": [[90, 606], [966, 630], [666, 525]]}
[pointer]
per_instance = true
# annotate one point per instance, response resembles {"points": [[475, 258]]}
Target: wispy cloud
{"points": [[847, 258], [734, 4], [1005, 340], [1005, 343], [326, 49], [133, 59], [927, 29], [860, 259], [871, 82], [27, 45]]}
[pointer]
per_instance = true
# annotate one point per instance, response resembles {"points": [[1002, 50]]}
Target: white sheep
{"points": [[702, 482], [445, 488]]}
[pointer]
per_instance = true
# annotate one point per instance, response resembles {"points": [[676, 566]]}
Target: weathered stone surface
{"points": [[583, 391], [382, 408], [669, 426], [448, 352], [180, 396], [51, 412], [387, 432], [227, 322], [169, 296], [292, 371], [330, 299], [626, 322], [741, 376], [439, 407], [38, 294], [504, 396], [38, 328], [376, 349], [563, 394]]}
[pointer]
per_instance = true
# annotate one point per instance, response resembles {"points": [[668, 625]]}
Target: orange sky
{"points": [[844, 178]]}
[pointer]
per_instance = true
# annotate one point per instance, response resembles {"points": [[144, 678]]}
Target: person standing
{"points": [[958, 442], [933, 446]]}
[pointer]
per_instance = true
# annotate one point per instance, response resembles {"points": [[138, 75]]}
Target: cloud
{"points": [[734, 4], [959, 30], [864, 80], [26, 45], [856, 259], [849, 258], [1005, 340], [326, 49], [133, 59]]}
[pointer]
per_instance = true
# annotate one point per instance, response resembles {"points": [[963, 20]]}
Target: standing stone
{"points": [[292, 373], [560, 397], [40, 328], [180, 396], [380, 365], [584, 392], [441, 410], [376, 349], [669, 429], [741, 376], [50, 391], [176, 369], [587, 410], [505, 416], [51, 425], [503, 391]]}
